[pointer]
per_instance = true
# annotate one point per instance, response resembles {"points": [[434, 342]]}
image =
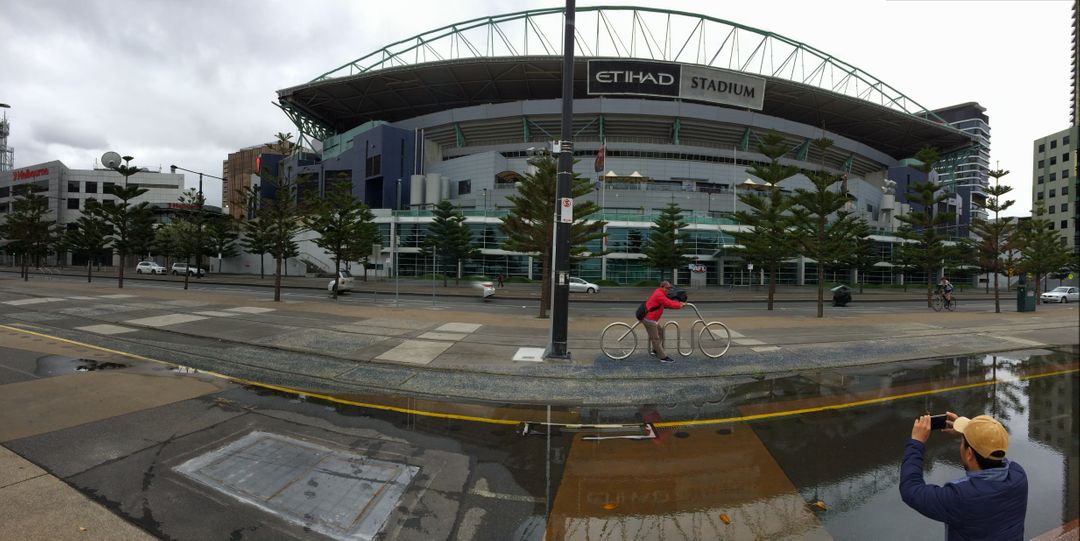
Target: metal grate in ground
{"points": [[336, 492]]}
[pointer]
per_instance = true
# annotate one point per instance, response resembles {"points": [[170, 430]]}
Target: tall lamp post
{"points": [[7, 155], [202, 202]]}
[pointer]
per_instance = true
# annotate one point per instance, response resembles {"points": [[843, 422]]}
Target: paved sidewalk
{"points": [[421, 350]]}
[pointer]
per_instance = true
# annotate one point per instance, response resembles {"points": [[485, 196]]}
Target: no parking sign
{"points": [[566, 210]]}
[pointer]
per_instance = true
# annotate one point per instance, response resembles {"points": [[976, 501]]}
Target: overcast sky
{"points": [[187, 82]]}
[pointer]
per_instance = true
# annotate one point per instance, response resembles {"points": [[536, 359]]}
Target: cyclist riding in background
{"points": [[945, 287]]}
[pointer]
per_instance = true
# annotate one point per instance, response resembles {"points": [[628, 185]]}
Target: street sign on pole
{"points": [[566, 210]]}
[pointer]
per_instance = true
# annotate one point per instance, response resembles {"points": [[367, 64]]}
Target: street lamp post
{"points": [[201, 201], [394, 247]]}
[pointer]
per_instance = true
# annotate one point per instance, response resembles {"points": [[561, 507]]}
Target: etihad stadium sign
{"points": [[665, 80]]}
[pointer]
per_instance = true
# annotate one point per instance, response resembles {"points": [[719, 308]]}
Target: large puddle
{"points": [[813, 455]]}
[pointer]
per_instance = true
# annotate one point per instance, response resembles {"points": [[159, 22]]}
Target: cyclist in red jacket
{"points": [[654, 308]]}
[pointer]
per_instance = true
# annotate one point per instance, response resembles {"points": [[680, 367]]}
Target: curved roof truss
{"points": [[637, 32]]}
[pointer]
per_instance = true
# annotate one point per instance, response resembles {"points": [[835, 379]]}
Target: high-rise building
{"points": [[237, 170], [1075, 62], [1056, 187], [966, 174]]}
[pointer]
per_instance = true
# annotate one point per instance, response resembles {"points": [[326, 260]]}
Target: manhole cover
{"points": [[333, 491]]}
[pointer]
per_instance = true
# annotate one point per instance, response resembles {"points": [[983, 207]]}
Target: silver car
{"points": [[1061, 294], [149, 267], [577, 285]]}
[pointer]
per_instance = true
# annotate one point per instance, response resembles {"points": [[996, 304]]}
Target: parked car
{"points": [[183, 268], [577, 285], [346, 278], [149, 267], [1061, 294]]}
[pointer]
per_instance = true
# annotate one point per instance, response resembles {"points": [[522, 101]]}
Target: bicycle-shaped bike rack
{"points": [[618, 340]]}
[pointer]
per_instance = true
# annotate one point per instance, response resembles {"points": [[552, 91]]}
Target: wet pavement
{"points": [[809, 455]]}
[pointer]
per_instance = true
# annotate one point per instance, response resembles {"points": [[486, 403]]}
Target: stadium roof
{"points": [[511, 58]]}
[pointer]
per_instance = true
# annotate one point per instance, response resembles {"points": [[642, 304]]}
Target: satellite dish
{"points": [[110, 160]]}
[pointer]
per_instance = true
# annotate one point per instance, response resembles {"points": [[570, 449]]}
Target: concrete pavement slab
{"points": [[216, 313], [452, 337], [415, 351], [46, 508], [250, 309], [36, 316], [165, 320], [35, 407], [334, 343], [113, 438], [15, 469], [106, 329], [33, 300], [459, 327], [361, 327]]}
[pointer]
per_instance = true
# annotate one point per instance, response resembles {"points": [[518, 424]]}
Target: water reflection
{"points": [[808, 455]]}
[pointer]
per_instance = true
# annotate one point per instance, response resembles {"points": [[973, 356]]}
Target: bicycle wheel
{"points": [[714, 340], [936, 303], [951, 306], [618, 340]]}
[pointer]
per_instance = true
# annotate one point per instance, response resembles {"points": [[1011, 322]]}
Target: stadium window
{"points": [[1039, 196], [1064, 190], [73, 204], [1064, 224], [1053, 177], [73, 186], [1065, 157], [1053, 160], [1053, 144], [1064, 207], [91, 187], [1065, 140], [464, 187], [1051, 209], [1065, 173], [1053, 192], [107, 187], [373, 166], [1041, 178], [3, 208], [5, 191], [1042, 147], [1042, 163]]}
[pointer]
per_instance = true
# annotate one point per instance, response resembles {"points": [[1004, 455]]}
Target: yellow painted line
{"points": [[853, 404], [274, 387], [665, 424]]}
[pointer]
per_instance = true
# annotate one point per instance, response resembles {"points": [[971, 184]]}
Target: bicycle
{"points": [[938, 302], [618, 340]]}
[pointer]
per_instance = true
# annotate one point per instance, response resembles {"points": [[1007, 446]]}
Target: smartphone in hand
{"points": [[937, 422]]}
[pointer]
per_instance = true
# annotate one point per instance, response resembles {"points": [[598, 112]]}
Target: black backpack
{"points": [[677, 294], [641, 311]]}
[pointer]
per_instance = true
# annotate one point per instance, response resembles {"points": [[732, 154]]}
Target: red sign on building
{"points": [[29, 174]]}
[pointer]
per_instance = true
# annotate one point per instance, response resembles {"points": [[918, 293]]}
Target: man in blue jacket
{"points": [[990, 502]]}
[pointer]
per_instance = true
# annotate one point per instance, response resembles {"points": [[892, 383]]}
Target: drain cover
{"points": [[333, 491]]}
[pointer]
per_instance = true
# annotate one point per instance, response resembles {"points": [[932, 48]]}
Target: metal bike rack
{"points": [[693, 332]]}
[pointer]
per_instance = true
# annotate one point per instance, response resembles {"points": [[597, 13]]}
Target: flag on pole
{"points": [[598, 165]]}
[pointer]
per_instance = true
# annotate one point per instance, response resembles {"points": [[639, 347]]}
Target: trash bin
{"points": [[1025, 298], [841, 295]]}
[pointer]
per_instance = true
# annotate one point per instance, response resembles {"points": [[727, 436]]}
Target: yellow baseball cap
{"points": [[985, 435]]}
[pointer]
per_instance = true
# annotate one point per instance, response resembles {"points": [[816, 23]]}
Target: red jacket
{"points": [[654, 307]]}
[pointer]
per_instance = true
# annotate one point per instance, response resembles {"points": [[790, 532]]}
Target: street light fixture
{"points": [[201, 202]]}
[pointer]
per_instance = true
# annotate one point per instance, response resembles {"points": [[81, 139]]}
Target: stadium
{"points": [[678, 101]]}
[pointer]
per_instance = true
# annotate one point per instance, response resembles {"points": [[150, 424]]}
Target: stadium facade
{"points": [[678, 102]]}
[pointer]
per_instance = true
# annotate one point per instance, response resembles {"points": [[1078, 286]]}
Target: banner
{"points": [[688, 82], [598, 165]]}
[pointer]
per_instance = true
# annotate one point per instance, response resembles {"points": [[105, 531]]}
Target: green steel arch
{"points": [[643, 33]]}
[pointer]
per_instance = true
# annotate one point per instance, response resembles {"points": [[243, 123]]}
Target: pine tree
{"points": [[27, 230], [530, 224], [1042, 250], [926, 225], [131, 225], [336, 218], [994, 235], [667, 245], [89, 236], [767, 243], [449, 238]]}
